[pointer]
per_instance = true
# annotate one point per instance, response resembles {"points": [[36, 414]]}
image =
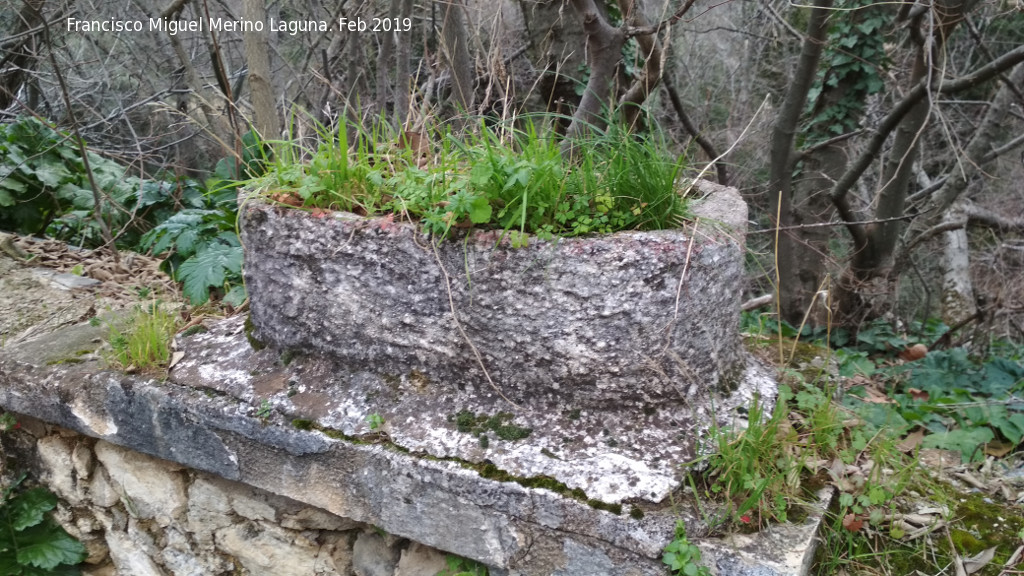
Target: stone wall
{"points": [[143, 516]]}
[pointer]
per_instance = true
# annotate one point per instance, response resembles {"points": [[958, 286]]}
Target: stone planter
{"points": [[634, 318]]}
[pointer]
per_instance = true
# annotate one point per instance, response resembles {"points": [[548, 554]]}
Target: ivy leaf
{"points": [[180, 231], [47, 546], [207, 268]]}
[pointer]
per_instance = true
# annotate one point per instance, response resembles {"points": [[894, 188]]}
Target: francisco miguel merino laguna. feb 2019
{"points": [[291, 27]]}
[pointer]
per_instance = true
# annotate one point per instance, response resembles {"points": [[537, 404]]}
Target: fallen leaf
{"points": [[911, 442], [978, 561], [918, 394], [915, 352], [175, 358], [999, 449], [852, 523], [877, 397]]}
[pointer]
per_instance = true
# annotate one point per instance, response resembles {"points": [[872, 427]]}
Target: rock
{"points": [[419, 560], [101, 492], [371, 556], [55, 457], [83, 460], [208, 508], [154, 487], [316, 519], [267, 550], [131, 558]]}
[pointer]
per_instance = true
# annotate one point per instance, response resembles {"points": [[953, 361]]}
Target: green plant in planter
{"points": [[143, 341], [501, 178]]}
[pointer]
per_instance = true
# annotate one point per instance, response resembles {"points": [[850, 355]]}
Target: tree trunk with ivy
{"points": [[792, 271]]}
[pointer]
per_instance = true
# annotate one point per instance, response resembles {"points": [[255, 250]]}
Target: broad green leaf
{"points": [[481, 174], [1012, 427], [13, 185], [28, 508], [966, 441], [51, 174], [208, 268], [47, 546], [6, 199], [235, 296], [480, 211]]}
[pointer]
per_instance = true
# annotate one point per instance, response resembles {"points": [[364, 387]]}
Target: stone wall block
{"points": [[83, 460], [249, 505], [208, 509], [101, 491], [130, 558], [316, 519], [55, 457], [372, 556], [267, 550], [419, 560], [154, 488]]}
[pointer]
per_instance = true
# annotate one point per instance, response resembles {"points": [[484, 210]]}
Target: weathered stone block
{"points": [[154, 488], [633, 317]]}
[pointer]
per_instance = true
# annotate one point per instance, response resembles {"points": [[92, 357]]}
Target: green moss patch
{"points": [[479, 425]]}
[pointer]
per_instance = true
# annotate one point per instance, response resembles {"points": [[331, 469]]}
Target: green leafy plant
{"points": [[751, 467], [458, 566], [502, 178], [683, 558], [142, 341], [44, 189], [962, 403], [31, 543], [375, 421], [263, 412], [204, 251]]}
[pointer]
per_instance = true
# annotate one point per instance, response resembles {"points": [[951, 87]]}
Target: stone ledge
{"points": [[210, 424], [438, 503]]}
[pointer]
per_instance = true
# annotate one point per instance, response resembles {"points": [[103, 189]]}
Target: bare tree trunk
{"points": [[604, 51], [651, 74], [792, 289], [456, 52], [268, 124], [403, 78], [384, 63], [897, 171], [958, 302]]}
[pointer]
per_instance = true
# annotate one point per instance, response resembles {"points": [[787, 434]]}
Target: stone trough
{"points": [[611, 351]]}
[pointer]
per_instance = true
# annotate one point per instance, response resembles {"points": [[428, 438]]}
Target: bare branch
{"points": [[892, 120]]}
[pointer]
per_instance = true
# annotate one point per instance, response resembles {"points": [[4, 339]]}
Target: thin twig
{"points": [[679, 288], [831, 224]]}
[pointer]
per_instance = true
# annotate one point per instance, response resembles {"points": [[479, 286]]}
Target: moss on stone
{"points": [[636, 513], [193, 330], [601, 505], [253, 342], [302, 424], [479, 424]]}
